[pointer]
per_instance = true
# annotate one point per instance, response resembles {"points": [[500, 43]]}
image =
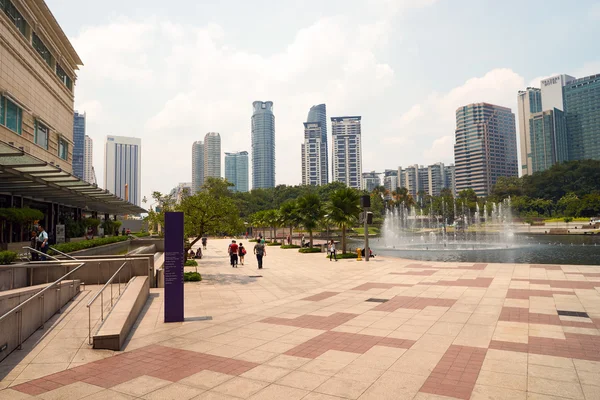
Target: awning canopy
{"points": [[24, 175]]}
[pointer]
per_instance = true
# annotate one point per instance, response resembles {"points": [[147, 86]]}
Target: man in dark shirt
{"points": [[260, 251], [233, 254]]}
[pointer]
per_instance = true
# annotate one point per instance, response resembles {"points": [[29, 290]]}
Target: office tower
{"points": [[485, 148], [236, 170], [263, 145], [582, 107], [449, 171], [197, 166], [314, 155], [346, 150], [79, 145], [529, 102], [88, 158], [123, 167], [212, 155], [548, 137], [552, 91], [318, 113], [370, 181], [390, 180]]}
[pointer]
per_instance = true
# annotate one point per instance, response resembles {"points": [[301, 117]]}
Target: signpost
{"points": [[173, 267]]}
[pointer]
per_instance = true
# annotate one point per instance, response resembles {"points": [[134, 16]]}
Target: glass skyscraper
{"points": [[197, 166], [529, 102], [263, 145], [318, 113], [548, 143], [236, 170], [582, 108], [485, 148], [79, 145]]}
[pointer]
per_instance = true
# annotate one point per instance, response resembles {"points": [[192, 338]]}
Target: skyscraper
{"points": [[79, 145], [485, 148], [411, 180], [236, 170], [529, 102], [263, 145], [88, 157], [314, 155], [582, 106], [212, 155], [123, 167], [318, 113], [347, 153], [548, 137], [197, 166], [370, 181], [552, 91]]}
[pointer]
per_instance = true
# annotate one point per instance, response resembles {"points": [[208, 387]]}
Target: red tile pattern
{"points": [[547, 267], [422, 273], [320, 296], [158, 361], [575, 345], [516, 314], [380, 285], [527, 293], [414, 303], [456, 373], [312, 321], [586, 274], [477, 282], [420, 266], [342, 341], [563, 284]]}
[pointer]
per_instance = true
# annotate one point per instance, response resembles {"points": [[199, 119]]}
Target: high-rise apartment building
{"points": [[582, 107], [400, 178], [548, 139], [390, 180], [212, 155], [411, 180], [314, 155], [529, 102], [263, 145], [179, 192], [426, 180], [318, 114], [236, 170], [88, 160], [197, 165], [347, 153], [123, 167], [79, 145], [449, 171], [370, 181], [485, 148]]}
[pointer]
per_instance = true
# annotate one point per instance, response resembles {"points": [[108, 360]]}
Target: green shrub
{"points": [[342, 255], [274, 244], [141, 234], [20, 215], [86, 244], [91, 222], [191, 277], [253, 240], [191, 263], [310, 250], [7, 257], [290, 246]]}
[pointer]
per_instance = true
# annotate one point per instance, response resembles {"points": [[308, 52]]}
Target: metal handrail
{"points": [[39, 252], [61, 253], [101, 294], [38, 295]]}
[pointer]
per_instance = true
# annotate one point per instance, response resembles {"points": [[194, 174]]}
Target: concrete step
{"points": [[116, 327]]}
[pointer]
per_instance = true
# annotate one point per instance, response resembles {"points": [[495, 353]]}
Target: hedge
{"points": [[141, 234], [342, 255], [191, 263], [290, 246], [87, 244], [274, 244], [191, 277], [7, 257], [310, 250]]}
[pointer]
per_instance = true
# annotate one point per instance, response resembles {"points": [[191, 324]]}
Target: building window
{"points": [[64, 78], [41, 135], [11, 115], [41, 48], [63, 149], [14, 15]]}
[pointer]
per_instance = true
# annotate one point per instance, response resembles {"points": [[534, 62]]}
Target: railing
{"points": [[101, 294], [41, 253], [40, 296], [61, 253]]}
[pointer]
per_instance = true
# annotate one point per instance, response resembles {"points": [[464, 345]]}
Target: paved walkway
{"points": [[313, 329]]}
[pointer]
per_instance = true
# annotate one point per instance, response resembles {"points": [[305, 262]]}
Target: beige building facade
{"points": [[37, 81]]}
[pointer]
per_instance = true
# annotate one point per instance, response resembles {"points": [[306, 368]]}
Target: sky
{"points": [[168, 72]]}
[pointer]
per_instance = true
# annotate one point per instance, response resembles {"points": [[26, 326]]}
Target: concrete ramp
{"points": [[117, 325]]}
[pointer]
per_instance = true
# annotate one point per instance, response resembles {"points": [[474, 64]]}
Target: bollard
{"points": [[359, 254]]}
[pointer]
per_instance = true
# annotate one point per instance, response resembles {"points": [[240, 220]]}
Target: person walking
{"points": [[42, 241], [233, 254], [302, 241], [260, 251], [241, 253], [332, 253], [34, 245], [204, 240]]}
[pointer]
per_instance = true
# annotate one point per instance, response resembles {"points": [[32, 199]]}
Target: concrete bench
{"points": [[117, 325]]}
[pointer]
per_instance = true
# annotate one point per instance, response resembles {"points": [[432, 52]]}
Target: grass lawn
{"points": [[361, 231], [561, 219]]}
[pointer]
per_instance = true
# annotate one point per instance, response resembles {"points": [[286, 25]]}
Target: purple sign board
{"points": [[173, 268]]}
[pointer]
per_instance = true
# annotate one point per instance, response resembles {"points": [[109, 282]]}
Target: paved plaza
{"points": [[307, 328]]}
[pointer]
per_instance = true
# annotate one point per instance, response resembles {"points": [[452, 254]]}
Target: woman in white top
{"points": [[332, 253]]}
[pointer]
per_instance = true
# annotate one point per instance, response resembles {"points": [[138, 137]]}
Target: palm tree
{"points": [[343, 210], [310, 211], [288, 215], [272, 220]]}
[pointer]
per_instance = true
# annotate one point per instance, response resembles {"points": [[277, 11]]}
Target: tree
{"points": [[156, 216], [310, 210], [272, 219], [205, 214], [218, 187], [343, 210], [288, 215]]}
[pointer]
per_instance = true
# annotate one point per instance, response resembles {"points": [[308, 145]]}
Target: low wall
{"points": [[12, 277], [32, 315]]}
